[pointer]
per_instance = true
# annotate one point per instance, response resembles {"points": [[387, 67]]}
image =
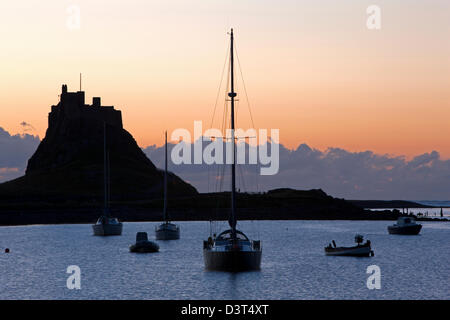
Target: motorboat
{"points": [[405, 226]]}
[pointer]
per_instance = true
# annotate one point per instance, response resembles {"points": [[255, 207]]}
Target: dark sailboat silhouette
{"points": [[166, 230], [232, 250], [106, 225]]}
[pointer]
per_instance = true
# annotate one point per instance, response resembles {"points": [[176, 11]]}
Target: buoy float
{"points": [[7, 250]]}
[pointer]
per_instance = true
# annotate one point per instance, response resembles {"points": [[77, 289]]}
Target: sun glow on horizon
{"points": [[313, 71]]}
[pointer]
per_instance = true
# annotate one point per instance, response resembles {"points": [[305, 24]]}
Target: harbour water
{"points": [[293, 266]]}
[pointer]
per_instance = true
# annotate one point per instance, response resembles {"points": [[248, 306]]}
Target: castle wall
{"points": [[72, 105]]}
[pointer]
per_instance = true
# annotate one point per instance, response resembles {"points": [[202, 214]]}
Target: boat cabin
{"points": [[107, 220], [401, 221]]}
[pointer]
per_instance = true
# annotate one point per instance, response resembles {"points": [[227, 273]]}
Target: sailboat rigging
{"points": [[106, 225], [232, 250], [166, 230]]}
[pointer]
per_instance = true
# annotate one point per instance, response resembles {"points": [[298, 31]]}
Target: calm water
{"points": [[293, 267]]}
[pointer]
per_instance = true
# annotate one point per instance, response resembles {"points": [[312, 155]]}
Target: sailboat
{"points": [[106, 225], [166, 230], [232, 250]]}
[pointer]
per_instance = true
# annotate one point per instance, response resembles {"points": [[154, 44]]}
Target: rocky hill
{"points": [[68, 165]]}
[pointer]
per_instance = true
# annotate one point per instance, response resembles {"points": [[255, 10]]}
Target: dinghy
{"points": [[360, 250], [143, 245]]}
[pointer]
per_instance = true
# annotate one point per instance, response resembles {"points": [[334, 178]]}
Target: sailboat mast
{"points": [[165, 182], [232, 95], [105, 172]]}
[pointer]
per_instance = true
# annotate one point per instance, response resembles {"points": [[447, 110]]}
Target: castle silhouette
{"points": [[72, 106], [69, 162]]}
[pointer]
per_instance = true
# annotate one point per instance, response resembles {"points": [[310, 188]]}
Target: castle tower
{"points": [[72, 106]]}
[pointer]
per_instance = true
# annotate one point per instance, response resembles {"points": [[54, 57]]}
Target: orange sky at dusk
{"points": [[312, 68]]}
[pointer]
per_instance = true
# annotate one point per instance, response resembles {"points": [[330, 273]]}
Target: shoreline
{"points": [[175, 221], [90, 216], [277, 204]]}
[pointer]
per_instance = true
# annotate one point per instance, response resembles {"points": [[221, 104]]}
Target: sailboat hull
{"points": [[167, 231], [165, 234], [233, 261], [107, 229]]}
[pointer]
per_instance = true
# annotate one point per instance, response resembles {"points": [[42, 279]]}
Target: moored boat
{"points": [[166, 230], [360, 250], [405, 226], [143, 245], [106, 225], [232, 250], [228, 253]]}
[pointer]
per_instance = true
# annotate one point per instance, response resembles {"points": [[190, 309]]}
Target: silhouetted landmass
{"points": [[68, 165], [383, 204], [280, 204]]}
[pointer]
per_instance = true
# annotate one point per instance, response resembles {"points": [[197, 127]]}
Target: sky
{"points": [[338, 172], [312, 69]]}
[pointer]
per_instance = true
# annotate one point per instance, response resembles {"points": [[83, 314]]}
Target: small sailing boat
{"points": [[405, 226], [106, 225], [166, 230], [360, 250], [232, 250]]}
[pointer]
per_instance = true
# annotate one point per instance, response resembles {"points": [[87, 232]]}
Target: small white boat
{"points": [[360, 250], [405, 226]]}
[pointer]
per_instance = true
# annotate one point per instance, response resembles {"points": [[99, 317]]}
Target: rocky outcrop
{"points": [[69, 162]]}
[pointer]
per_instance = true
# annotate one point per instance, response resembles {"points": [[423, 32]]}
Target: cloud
{"points": [[15, 150], [27, 126], [341, 173]]}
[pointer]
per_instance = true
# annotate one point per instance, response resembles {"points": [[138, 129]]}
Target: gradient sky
{"points": [[312, 68]]}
